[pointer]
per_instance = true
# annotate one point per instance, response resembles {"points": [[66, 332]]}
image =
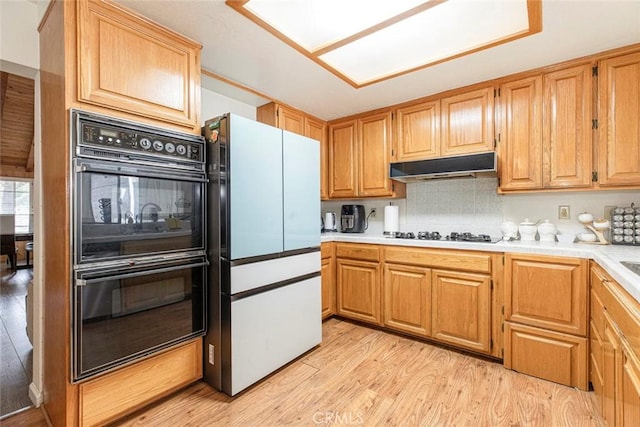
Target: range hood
{"points": [[443, 167]]}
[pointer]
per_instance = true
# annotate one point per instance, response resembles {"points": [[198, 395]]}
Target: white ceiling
{"points": [[238, 49]]}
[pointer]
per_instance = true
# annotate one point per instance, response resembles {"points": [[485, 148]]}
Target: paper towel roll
{"points": [[391, 219]]}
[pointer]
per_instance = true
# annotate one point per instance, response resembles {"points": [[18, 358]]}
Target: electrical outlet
{"points": [[564, 212], [211, 358], [373, 212]]}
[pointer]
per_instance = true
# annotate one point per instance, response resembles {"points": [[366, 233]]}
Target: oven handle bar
{"points": [[122, 169], [106, 275]]}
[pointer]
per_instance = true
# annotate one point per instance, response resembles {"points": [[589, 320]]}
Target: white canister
{"points": [[528, 230], [547, 231]]}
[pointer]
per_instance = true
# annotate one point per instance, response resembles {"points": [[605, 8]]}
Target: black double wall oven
{"points": [[139, 260]]}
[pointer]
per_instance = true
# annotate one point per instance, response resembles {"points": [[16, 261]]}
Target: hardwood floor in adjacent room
{"points": [[15, 349], [367, 377]]}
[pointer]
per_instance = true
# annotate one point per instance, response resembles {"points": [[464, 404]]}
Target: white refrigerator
{"points": [[264, 301]]}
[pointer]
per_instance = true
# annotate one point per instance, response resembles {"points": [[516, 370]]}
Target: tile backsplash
{"points": [[473, 204]]}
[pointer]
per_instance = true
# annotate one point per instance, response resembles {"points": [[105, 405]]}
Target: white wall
{"points": [[214, 104], [19, 43], [473, 204]]}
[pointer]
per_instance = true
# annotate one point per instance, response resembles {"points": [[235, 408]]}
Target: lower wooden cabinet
{"points": [[553, 356], [629, 388], [328, 273], [407, 299], [461, 309], [358, 290], [115, 394]]}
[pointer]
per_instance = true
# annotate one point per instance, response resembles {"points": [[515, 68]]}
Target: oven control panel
{"points": [[129, 140]]}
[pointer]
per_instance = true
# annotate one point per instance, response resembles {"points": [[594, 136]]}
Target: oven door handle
{"points": [[82, 281], [123, 169]]}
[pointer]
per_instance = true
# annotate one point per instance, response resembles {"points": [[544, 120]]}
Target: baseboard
{"points": [[35, 394]]}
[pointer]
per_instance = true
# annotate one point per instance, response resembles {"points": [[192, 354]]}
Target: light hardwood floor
{"points": [[361, 376]]}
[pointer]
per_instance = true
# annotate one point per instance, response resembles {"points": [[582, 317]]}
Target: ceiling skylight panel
{"points": [[444, 31], [314, 24]]}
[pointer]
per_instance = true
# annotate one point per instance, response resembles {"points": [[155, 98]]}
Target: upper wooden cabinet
{"points": [[619, 124], [374, 155], [520, 135], [467, 122], [132, 65], [359, 157], [567, 128], [417, 130], [545, 131], [303, 124], [342, 159]]}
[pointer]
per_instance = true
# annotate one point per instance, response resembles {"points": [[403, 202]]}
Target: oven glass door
{"points": [[123, 314], [124, 211]]}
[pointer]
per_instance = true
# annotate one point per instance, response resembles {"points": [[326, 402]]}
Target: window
{"points": [[15, 198]]}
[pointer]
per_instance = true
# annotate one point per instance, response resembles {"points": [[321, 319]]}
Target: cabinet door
{"points": [[467, 122], [554, 356], [317, 129], [328, 272], [547, 292], [461, 309], [374, 154], [520, 138], [619, 127], [611, 373], [342, 159], [407, 298], [290, 120], [630, 389], [358, 290], [418, 131], [132, 65], [567, 126]]}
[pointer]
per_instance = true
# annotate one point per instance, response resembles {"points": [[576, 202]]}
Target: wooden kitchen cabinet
{"points": [[520, 137], [359, 157], [342, 159], [547, 292], [546, 306], [618, 124], [407, 299], [317, 129], [374, 155], [567, 128], [461, 309], [546, 354], [358, 282], [133, 65], [117, 393], [467, 122], [629, 388], [417, 130], [328, 274], [545, 131]]}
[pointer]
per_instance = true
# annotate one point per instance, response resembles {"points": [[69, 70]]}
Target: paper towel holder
{"points": [[391, 225]]}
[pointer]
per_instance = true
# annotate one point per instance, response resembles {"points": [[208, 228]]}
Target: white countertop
{"points": [[608, 256]]}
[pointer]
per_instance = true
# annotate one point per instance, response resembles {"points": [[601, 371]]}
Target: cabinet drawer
{"points": [[553, 356], [450, 260], [597, 310], [596, 356], [625, 311], [356, 251], [115, 394], [326, 250]]}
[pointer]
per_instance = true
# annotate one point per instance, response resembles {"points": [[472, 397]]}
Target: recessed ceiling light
{"points": [[364, 41]]}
